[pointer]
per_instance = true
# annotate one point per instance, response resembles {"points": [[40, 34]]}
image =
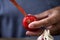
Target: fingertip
{"points": [[31, 25], [27, 33], [34, 24]]}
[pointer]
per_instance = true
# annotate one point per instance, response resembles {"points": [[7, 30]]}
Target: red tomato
{"points": [[28, 19]]}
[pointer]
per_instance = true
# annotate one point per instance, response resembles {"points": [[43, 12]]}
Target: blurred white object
{"points": [[45, 36]]}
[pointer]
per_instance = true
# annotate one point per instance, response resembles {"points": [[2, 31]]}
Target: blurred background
{"points": [[11, 18]]}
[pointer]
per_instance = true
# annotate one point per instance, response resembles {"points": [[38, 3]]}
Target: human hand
{"points": [[49, 19]]}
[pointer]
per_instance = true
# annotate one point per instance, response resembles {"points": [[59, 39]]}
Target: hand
{"points": [[49, 19]]}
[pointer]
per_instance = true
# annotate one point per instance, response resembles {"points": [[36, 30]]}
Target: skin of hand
{"points": [[49, 19]]}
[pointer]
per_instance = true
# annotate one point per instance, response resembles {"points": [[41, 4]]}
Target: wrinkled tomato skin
{"points": [[28, 19]]}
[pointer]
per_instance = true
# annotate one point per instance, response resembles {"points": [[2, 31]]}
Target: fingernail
{"points": [[30, 26]]}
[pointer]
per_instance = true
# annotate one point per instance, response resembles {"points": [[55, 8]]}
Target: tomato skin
{"points": [[28, 19]]}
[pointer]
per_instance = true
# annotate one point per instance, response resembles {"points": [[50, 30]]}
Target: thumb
{"points": [[45, 22]]}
